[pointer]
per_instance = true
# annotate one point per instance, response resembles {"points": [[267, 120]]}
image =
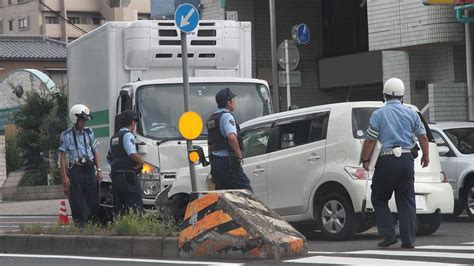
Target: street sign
{"points": [[300, 33], [190, 125], [293, 55], [438, 2], [186, 18], [295, 79]]}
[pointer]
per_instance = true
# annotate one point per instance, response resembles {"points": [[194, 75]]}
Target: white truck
{"points": [[137, 66]]}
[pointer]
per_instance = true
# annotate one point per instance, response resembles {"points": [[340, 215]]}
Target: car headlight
{"points": [[150, 180], [357, 173]]}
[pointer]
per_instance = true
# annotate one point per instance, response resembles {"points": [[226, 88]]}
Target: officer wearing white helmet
{"points": [[394, 125], [79, 161]]}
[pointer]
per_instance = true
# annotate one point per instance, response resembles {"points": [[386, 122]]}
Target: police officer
{"points": [[126, 164], [394, 125], [78, 155], [225, 145]]}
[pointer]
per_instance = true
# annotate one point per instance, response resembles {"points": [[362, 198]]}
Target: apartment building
{"points": [[358, 44], [66, 20]]}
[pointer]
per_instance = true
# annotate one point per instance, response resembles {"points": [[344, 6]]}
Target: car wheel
{"points": [[428, 224], [336, 218], [468, 200]]}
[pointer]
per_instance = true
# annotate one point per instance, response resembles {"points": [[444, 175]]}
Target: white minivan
{"points": [[304, 164]]}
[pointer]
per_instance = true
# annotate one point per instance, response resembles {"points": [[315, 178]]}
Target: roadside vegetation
{"points": [[127, 225]]}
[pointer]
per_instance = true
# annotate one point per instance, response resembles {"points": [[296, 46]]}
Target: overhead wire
{"points": [[59, 15]]}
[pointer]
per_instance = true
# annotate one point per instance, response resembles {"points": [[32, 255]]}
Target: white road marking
{"points": [[447, 247], [468, 243], [390, 252], [322, 252], [116, 259], [359, 261]]}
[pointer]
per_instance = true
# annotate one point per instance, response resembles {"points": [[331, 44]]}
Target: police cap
{"points": [[223, 96], [126, 117]]}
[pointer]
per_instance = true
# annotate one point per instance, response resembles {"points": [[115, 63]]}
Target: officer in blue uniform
{"points": [[395, 126], [225, 145], [79, 162], [126, 163]]}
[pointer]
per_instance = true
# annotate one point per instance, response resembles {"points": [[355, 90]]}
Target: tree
{"points": [[40, 122]]}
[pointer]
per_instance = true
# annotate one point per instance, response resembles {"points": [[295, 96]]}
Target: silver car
{"points": [[455, 142]]}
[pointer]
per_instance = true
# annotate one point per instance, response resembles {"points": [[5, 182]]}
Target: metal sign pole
{"points": [[189, 143], [287, 71]]}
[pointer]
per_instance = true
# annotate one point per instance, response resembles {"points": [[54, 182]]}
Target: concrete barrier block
{"points": [[147, 247], [235, 224], [39, 243], [15, 243], [63, 244], [169, 247], [89, 245], [117, 246]]}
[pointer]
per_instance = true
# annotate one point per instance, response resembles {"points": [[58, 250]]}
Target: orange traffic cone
{"points": [[63, 218]]}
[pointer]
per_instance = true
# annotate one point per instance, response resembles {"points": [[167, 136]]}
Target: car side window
{"points": [[303, 131], [439, 139], [319, 127], [255, 141]]}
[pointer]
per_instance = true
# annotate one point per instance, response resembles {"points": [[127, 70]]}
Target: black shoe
{"points": [[407, 246], [387, 242]]}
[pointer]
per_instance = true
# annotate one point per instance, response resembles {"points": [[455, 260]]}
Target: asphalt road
{"points": [[453, 243]]}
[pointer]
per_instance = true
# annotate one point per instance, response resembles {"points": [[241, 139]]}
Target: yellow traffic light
{"points": [[190, 125], [193, 157]]}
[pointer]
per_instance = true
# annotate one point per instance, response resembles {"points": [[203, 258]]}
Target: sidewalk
{"points": [[37, 207]]}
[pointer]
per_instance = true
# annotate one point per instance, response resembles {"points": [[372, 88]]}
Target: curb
{"points": [[122, 246]]}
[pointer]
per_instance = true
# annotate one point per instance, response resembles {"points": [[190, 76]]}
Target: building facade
{"points": [[66, 20], [358, 44]]}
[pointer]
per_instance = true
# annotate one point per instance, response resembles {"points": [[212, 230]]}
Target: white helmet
{"points": [[394, 87], [79, 111]]}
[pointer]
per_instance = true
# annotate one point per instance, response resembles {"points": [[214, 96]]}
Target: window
{"points": [[345, 27], [51, 20], [74, 20], [303, 131], [256, 141], [9, 2], [10, 25], [462, 138], [23, 23], [96, 21], [22, 1], [360, 121]]}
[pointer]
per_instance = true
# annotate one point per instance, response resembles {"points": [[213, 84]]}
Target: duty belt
{"points": [[390, 152]]}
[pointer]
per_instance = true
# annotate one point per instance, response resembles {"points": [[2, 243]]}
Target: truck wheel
{"points": [[468, 199], [336, 218], [428, 224]]}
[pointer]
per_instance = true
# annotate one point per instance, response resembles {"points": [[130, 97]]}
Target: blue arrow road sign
{"points": [[186, 17], [303, 34]]}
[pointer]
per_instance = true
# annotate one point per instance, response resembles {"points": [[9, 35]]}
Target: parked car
{"points": [[455, 142], [304, 164]]}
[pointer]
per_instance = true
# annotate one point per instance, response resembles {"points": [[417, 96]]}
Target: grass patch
{"points": [[127, 225]]}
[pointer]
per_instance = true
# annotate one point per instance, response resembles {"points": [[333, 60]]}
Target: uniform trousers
{"points": [[83, 194], [391, 175], [227, 173], [127, 192]]}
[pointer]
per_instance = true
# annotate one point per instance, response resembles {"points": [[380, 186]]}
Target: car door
{"points": [[297, 163], [449, 160], [256, 141]]}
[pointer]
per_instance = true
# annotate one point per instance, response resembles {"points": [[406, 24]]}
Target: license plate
{"points": [[420, 202]]}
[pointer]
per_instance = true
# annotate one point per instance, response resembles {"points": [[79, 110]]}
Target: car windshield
{"points": [[462, 138], [161, 105], [360, 121]]}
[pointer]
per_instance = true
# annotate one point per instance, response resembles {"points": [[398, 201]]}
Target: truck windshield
{"points": [[161, 105]]}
